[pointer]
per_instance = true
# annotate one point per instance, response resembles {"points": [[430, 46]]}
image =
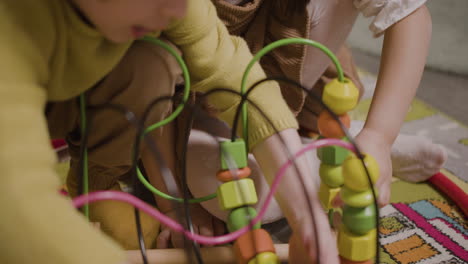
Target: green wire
{"points": [[169, 119], [270, 47], [85, 156], [167, 196]]}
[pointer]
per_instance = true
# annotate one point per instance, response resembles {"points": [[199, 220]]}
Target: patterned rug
{"points": [[422, 225]]}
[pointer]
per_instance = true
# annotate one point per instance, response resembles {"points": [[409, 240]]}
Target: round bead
{"points": [[357, 199], [265, 258], [347, 261], [355, 176], [331, 175], [329, 127], [340, 97], [241, 217], [226, 175], [359, 221]]}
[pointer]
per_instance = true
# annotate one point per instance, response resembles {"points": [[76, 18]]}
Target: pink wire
{"points": [[217, 240]]}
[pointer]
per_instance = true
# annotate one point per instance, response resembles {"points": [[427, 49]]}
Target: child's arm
{"points": [[218, 60], [404, 54], [37, 225]]}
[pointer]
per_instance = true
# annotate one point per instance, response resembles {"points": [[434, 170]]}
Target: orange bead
{"points": [[347, 261], [226, 175], [245, 248], [329, 127]]}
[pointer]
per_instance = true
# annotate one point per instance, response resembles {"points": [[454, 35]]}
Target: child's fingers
{"points": [[163, 239]]}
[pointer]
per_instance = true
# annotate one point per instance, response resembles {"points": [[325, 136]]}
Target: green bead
{"points": [[333, 155], [331, 175], [359, 221], [241, 217], [238, 193], [357, 199], [236, 151]]}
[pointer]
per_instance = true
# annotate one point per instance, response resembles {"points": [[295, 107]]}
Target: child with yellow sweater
{"points": [[54, 50]]}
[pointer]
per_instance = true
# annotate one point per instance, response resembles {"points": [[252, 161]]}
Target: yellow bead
{"points": [[235, 194], [331, 175], [357, 199], [326, 195], [265, 258], [355, 176], [340, 97], [356, 247]]}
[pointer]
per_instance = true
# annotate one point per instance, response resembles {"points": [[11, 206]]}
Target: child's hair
{"points": [[292, 7]]}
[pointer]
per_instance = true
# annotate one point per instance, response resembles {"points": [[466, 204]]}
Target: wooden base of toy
{"points": [[210, 255]]}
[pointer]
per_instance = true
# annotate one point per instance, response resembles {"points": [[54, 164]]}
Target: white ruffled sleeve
{"points": [[386, 12]]}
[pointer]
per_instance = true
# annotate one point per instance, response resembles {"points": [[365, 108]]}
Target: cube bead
{"points": [[329, 127], [355, 175], [340, 97], [265, 258], [357, 199], [357, 247], [326, 195], [235, 150], [359, 221], [347, 261], [235, 194], [252, 243], [331, 175], [241, 217], [332, 155]]}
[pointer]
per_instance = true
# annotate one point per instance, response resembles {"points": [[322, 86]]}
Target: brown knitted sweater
{"points": [[261, 22]]}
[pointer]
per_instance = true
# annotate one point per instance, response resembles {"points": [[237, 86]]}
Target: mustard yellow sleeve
{"points": [[218, 60], [37, 225]]}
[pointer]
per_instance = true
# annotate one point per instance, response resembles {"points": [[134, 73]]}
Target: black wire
{"points": [[314, 96], [169, 180], [130, 117]]}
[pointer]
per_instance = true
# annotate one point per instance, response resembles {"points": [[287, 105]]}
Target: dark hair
{"points": [[292, 7]]}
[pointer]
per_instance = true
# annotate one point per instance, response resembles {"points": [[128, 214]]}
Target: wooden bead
{"points": [[357, 247], [332, 155], [265, 258], [241, 217], [329, 127], [357, 199], [252, 243], [355, 175], [340, 97], [226, 175], [359, 221], [347, 261], [235, 150], [326, 195], [331, 175], [235, 194]]}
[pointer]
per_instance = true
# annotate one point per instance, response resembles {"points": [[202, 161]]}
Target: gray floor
{"points": [[445, 91]]}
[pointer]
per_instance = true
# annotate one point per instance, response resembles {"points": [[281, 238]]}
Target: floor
{"points": [[447, 92]]}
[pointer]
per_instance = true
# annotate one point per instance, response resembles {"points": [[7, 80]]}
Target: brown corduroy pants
{"points": [[145, 73]]}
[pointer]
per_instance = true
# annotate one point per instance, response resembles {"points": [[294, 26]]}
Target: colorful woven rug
{"points": [[422, 225]]}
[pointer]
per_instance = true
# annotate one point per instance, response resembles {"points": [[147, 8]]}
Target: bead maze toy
{"points": [[340, 171]]}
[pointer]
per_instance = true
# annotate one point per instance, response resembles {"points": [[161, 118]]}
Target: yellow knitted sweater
{"points": [[48, 54]]}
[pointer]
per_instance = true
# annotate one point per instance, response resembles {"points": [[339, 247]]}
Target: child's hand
{"points": [[203, 223], [374, 143]]}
